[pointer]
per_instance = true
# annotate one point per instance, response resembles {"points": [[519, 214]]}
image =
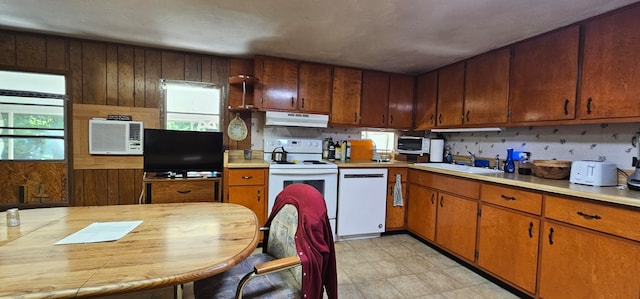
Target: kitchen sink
{"points": [[460, 168]]}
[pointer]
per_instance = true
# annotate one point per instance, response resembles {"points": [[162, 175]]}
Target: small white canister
{"points": [[13, 217]]}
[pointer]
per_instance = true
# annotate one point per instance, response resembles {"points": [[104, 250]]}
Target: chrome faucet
{"points": [[473, 159]]}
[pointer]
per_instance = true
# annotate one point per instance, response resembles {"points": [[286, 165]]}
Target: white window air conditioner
{"points": [[115, 137]]}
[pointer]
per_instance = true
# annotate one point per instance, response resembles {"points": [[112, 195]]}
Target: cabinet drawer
{"points": [[446, 183], [513, 198], [392, 171], [609, 219], [246, 177], [172, 191]]}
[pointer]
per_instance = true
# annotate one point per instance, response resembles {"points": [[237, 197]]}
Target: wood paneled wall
{"points": [[101, 73]]}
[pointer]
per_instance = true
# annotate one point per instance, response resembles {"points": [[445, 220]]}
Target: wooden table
{"points": [[176, 243]]}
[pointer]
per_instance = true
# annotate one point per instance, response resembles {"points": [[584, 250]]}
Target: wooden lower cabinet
{"points": [[456, 225], [182, 190], [246, 187], [421, 211], [508, 246], [578, 263], [395, 214]]}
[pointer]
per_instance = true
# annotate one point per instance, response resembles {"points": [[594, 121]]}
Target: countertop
{"points": [[617, 195]]}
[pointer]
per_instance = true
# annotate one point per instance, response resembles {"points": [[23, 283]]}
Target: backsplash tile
{"points": [[605, 142]]}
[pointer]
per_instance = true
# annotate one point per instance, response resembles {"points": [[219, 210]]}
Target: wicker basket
{"points": [[552, 169]]}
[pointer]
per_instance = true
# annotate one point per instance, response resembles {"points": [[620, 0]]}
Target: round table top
{"points": [[175, 243]]}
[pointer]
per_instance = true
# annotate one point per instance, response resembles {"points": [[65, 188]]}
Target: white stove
{"points": [[304, 165]]}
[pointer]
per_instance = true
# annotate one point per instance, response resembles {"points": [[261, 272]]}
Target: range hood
{"points": [[294, 119]]}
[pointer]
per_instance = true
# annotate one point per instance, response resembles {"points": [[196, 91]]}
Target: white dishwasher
{"points": [[362, 195]]}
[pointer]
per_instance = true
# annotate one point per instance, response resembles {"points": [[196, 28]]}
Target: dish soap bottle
{"points": [[509, 164]]}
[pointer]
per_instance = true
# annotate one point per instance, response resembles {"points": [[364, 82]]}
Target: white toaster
{"points": [[594, 173]]}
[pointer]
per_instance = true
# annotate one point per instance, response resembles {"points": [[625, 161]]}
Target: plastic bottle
{"points": [[348, 150], [509, 164], [343, 151], [332, 151], [325, 148]]}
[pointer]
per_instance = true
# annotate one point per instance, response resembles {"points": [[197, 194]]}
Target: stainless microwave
{"points": [[411, 145]]}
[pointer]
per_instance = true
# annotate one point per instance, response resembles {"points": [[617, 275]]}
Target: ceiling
{"points": [[404, 36]]}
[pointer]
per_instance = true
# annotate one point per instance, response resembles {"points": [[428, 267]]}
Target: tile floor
{"points": [[393, 266]]}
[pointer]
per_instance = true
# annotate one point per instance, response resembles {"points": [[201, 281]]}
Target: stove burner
{"points": [[313, 162]]}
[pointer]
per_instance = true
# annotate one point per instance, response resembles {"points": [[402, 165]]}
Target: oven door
{"points": [[324, 180]]}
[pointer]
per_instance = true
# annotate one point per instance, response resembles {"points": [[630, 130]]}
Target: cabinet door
{"points": [[610, 74], [450, 95], [252, 197], [508, 246], [544, 76], [456, 225], [345, 104], [421, 211], [314, 90], [401, 101], [396, 214], [486, 88], [576, 263], [426, 97], [375, 99], [172, 191], [279, 83]]}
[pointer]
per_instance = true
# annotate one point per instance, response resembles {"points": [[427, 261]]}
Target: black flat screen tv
{"points": [[168, 151]]}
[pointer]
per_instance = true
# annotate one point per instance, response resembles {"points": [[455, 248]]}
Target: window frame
{"points": [[164, 98]]}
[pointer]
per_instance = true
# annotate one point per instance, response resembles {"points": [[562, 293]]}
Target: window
{"points": [[32, 116], [383, 140], [192, 106]]}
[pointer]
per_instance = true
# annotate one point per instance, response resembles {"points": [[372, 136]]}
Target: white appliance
{"points": [[304, 165], [594, 173], [294, 119], [115, 137], [411, 145], [362, 195]]}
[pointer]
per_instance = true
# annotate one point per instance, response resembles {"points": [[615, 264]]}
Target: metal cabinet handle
{"points": [[589, 100], [588, 216], [184, 191], [468, 115], [259, 195], [302, 102], [355, 117], [431, 119], [440, 118], [441, 200], [390, 119], [530, 230], [247, 177], [507, 197], [292, 102], [566, 107], [551, 236], [433, 195], [383, 122]]}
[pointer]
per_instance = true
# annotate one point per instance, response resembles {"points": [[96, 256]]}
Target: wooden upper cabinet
{"points": [[610, 76], [450, 95], [345, 104], [544, 76], [486, 99], [401, 101], [375, 99], [278, 83], [314, 90], [426, 97]]}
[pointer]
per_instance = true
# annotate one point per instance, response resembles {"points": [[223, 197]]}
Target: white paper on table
{"points": [[101, 232]]}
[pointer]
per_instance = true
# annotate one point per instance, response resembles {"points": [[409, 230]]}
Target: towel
{"points": [[397, 192]]}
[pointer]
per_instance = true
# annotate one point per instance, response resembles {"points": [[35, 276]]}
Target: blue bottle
{"points": [[509, 164]]}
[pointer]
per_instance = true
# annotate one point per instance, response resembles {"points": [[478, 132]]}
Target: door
{"points": [[426, 97], [375, 99], [456, 225], [345, 104], [450, 95], [577, 263], [314, 90], [401, 101], [421, 211], [486, 88], [508, 246], [544, 77], [609, 68]]}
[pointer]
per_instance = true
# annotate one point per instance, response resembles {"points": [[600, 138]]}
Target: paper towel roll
{"points": [[436, 150]]}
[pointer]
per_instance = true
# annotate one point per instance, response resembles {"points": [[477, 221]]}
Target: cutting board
{"points": [[361, 149]]}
